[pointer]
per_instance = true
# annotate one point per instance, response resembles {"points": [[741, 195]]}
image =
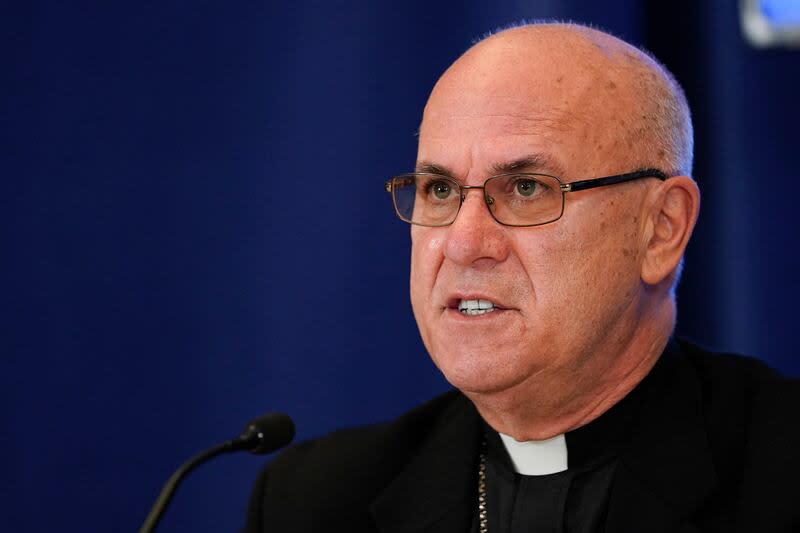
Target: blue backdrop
{"points": [[194, 229]]}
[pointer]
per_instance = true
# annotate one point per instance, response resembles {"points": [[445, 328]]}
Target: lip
{"points": [[451, 303], [455, 316]]}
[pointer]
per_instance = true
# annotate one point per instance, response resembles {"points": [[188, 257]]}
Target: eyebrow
{"points": [[534, 163], [530, 163], [432, 168]]}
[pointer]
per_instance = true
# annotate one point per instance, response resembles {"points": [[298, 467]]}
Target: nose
{"points": [[475, 238]]}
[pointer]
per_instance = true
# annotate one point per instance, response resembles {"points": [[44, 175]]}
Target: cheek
{"points": [[547, 258], [426, 257], [598, 260], [569, 268]]}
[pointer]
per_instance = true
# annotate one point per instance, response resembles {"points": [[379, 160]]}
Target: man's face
{"points": [[562, 292]]}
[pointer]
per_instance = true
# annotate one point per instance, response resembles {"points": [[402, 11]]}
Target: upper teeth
{"points": [[475, 307]]}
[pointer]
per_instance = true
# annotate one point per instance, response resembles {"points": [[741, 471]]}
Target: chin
{"points": [[479, 374]]}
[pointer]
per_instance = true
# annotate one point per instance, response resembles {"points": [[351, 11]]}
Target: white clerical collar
{"points": [[537, 457]]}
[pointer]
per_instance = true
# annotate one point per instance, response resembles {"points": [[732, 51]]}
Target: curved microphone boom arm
{"points": [[264, 434]]}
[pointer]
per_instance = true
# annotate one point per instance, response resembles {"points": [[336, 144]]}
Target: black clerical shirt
{"points": [[572, 501]]}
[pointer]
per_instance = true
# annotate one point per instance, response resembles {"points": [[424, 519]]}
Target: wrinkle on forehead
{"points": [[512, 123]]}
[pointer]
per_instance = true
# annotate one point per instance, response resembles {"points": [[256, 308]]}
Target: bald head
{"points": [[570, 78]]}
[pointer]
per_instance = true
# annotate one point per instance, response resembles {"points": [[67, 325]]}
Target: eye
{"points": [[526, 187], [441, 189]]}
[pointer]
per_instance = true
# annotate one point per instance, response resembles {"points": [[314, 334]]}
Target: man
{"points": [[550, 209]]}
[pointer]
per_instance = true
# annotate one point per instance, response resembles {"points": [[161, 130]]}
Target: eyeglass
{"points": [[518, 200]]}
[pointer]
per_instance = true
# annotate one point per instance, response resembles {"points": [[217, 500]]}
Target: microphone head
{"points": [[267, 433]]}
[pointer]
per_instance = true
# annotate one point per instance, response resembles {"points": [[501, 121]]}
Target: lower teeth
{"points": [[474, 312]]}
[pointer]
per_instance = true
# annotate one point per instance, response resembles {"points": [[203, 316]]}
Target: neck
{"points": [[563, 399]]}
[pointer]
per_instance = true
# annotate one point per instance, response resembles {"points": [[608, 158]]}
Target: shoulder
{"points": [[728, 365], [743, 392], [345, 469], [731, 382], [750, 414], [355, 448]]}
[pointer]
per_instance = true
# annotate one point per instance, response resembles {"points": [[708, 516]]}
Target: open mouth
{"points": [[476, 307]]}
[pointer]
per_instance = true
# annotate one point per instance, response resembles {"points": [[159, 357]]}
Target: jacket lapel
{"points": [[665, 473], [437, 491]]}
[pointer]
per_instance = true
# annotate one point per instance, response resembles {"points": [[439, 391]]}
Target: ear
{"points": [[673, 214]]}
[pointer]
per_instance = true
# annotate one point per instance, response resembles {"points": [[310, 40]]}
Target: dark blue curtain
{"points": [[194, 229]]}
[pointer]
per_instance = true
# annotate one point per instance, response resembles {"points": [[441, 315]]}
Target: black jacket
{"points": [[716, 447]]}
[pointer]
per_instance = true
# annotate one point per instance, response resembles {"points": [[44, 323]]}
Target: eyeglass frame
{"points": [[574, 186]]}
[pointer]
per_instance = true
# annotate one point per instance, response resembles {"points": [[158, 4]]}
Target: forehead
{"points": [[476, 165], [481, 138], [505, 104]]}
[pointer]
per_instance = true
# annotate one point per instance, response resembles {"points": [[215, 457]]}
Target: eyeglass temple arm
{"points": [[582, 185]]}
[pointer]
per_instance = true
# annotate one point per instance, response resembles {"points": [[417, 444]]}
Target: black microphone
{"points": [[261, 435]]}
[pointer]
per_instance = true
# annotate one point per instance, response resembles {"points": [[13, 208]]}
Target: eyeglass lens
{"points": [[513, 199]]}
